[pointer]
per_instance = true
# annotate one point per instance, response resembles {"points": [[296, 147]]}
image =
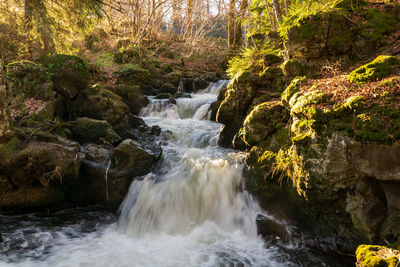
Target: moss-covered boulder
{"points": [[87, 130], [320, 35], [377, 256], [293, 68], [379, 68], [248, 89], [133, 158], [132, 96], [168, 88], [38, 173], [291, 89], [200, 83], [100, 104], [29, 79], [70, 74], [263, 121], [132, 74]]}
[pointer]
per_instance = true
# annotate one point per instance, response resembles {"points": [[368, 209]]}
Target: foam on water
{"points": [[192, 211]]}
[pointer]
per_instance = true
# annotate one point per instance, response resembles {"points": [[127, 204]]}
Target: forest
{"points": [[200, 133]]}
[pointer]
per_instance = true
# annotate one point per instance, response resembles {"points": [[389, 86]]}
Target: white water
{"points": [[192, 211]]}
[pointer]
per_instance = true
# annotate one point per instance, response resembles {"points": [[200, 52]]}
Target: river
{"points": [[193, 210]]}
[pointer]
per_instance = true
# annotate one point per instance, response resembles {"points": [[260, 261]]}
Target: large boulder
{"points": [[263, 121], [132, 96], [133, 158], [379, 68], [38, 174], [29, 80], [70, 74], [87, 130], [245, 91]]}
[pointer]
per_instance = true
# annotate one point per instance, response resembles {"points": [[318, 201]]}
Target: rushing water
{"points": [[192, 211]]}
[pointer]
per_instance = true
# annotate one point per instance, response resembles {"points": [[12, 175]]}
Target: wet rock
{"points": [[132, 96], [168, 88], [87, 130], [200, 83], [97, 153], [271, 228], [134, 158], [163, 96]]}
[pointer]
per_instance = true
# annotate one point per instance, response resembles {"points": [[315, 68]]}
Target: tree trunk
{"points": [[189, 17], [238, 33], [270, 17], [277, 10], [231, 24]]}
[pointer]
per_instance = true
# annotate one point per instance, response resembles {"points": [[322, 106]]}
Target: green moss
{"points": [[130, 54], [29, 79], [303, 105], [290, 164], [263, 121], [379, 68], [293, 67], [58, 63], [378, 24], [376, 256], [292, 89], [10, 147]]}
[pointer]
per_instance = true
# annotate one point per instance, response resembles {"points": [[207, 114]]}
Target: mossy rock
{"points": [[263, 121], [163, 96], [132, 96], [349, 5], [129, 54], [100, 104], [29, 79], [71, 74], [379, 68], [8, 149], [377, 256], [293, 68], [168, 88], [87, 130], [292, 88], [200, 83], [44, 164], [132, 74], [302, 105], [133, 158]]}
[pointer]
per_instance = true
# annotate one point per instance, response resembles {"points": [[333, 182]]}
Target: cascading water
{"points": [[191, 211]]}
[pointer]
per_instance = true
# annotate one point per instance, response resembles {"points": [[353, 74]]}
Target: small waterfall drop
{"points": [[197, 182]]}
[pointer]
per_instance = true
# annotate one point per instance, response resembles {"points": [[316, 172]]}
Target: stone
{"points": [[377, 256], [168, 88], [379, 68], [70, 74], [29, 79], [87, 130], [134, 158]]}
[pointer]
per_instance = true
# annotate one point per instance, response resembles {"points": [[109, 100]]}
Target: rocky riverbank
{"points": [[324, 147], [69, 139]]}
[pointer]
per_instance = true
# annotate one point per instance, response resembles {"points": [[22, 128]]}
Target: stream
{"points": [[193, 210]]}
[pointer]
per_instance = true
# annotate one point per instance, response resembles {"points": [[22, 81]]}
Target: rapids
{"points": [[193, 210]]}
